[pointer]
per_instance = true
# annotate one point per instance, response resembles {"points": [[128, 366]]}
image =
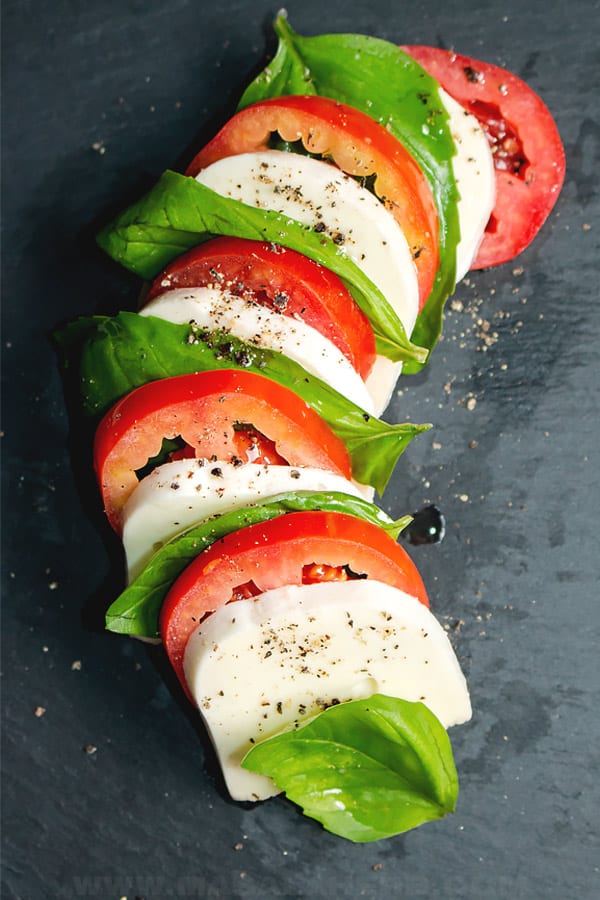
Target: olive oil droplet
{"points": [[427, 527]]}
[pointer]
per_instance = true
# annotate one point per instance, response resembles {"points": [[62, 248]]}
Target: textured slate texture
{"points": [[98, 99]]}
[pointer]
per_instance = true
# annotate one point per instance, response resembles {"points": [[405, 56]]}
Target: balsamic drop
{"points": [[427, 527]]}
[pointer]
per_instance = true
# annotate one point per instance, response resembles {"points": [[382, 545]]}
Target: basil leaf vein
{"points": [[366, 769]]}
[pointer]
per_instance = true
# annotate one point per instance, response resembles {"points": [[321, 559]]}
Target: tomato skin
{"points": [[274, 554], [283, 279], [203, 409], [358, 145], [526, 191]]}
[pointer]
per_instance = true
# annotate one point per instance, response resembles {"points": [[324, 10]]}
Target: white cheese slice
{"points": [[318, 194], [381, 382], [178, 494], [220, 310], [259, 667], [473, 167]]}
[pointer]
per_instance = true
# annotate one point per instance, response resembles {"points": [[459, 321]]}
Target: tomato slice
{"points": [[206, 410], [248, 446], [283, 280], [528, 153], [358, 145], [274, 554]]}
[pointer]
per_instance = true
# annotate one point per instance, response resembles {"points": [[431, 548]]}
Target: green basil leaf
{"points": [[384, 82], [366, 769], [179, 213], [112, 356], [137, 608]]}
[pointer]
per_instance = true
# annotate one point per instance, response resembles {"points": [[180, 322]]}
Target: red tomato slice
{"points": [[249, 445], [358, 145], [204, 410], [276, 553], [528, 153], [285, 281]]}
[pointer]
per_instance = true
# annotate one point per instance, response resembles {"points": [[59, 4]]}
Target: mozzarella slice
{"points": [[216, 309], [259, 667], [473, 167], [381, 382], [178, 494], [319, 195]]}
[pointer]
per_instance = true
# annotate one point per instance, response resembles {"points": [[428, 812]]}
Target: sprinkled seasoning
{"points": [[472, 74]]}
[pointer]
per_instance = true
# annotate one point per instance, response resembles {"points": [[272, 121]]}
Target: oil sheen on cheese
{"points": [[259, 667]]}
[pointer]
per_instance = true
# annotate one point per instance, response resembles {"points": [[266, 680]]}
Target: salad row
{"points": [[293, 272]]}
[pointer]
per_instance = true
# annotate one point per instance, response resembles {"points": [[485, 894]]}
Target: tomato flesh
{"points": [[205, 410], [315, 573], [250, 446], [276, 553], [506, 145], [283, 280], [312, 573], [185, 452], [528, 154], [253, 447], [358, 145], [243, 592]]}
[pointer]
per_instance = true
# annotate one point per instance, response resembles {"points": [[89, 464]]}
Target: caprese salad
{"points": [[298, 266]]}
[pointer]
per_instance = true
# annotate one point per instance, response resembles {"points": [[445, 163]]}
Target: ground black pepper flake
{"points": [[472, 74], [242, 358]]}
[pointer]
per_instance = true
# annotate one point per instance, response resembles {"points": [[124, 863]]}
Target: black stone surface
{"points": [[112, 792]]}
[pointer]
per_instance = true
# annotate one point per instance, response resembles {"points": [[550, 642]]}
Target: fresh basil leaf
{"points": [[112, 356], [179, 213], [287, 73], [137, 608], [384, 82], [366, 769]]}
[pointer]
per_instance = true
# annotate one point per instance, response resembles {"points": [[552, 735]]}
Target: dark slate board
{"points": [[98, 99]]}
